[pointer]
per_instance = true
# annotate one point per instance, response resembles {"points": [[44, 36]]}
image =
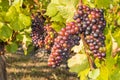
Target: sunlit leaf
{"points": [[11, 15], [94, 74], [25, 20], [118, 21], [104, 72], [67, 11], [78, 63], [103, 3], [58, 18], [84, 74], [51, 9], [115, 75]]}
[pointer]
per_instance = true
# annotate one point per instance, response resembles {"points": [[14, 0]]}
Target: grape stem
{"points": [[80, 2], [91, 63]]}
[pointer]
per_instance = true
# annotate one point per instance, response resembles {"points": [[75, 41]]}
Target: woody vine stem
{"points": [[90, 60]]}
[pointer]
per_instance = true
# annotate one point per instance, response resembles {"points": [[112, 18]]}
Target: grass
{"points": [[21, 67]]}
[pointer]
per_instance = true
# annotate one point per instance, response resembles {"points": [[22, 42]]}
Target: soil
{"points": [[34, 67]]}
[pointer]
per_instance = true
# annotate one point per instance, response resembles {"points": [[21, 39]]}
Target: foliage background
{"points": [[15, 30]]}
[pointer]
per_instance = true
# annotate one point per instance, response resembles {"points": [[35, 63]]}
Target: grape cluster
{"points": [[66, 39], [37, 32], [49, 38], [92, 24]]}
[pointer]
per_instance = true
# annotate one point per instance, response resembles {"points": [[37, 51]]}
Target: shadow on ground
{"points": [[20, 67]]}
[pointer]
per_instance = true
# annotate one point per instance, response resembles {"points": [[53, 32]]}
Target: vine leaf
{"points": [[4, 5], [51, 10], [67, 11], [103, 3], [57, 26], [115, 75], [84, 74], [5, 32], [78, 48], [103, 72], [118, 21], [21, 22], [58, 18], [25, 20], [94, 74], [11, 14], [12, 47], [78, 63]]}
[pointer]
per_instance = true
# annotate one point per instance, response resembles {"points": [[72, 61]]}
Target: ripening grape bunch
{"points": [[92, 23], [42, 36], [37, 32], [66, 39], [49, 37]]}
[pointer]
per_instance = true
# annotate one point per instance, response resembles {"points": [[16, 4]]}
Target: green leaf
{"points": [[15, 25], [103, 3], [115, 75], [12, 47], [51, 9], [67, 11], [17, 4], [65, 2], [58, 18], [94, 74], [78, 63], [5, 32], [21, 22], [4, 5], [19, 37], [84, 74], [25, 20], [118, 21], [57, 26], [11, 15], [104, 73], [55, 1], [108, 42], [1, 24]]}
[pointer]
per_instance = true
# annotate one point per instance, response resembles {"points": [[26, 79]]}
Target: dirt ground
{"points": [[21, 67]]}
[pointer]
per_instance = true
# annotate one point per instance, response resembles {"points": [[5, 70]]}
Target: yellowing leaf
{"points": [[78, 48], [84, 74], [103, 72], [67, 11], [78, 63], [94, 74]]}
